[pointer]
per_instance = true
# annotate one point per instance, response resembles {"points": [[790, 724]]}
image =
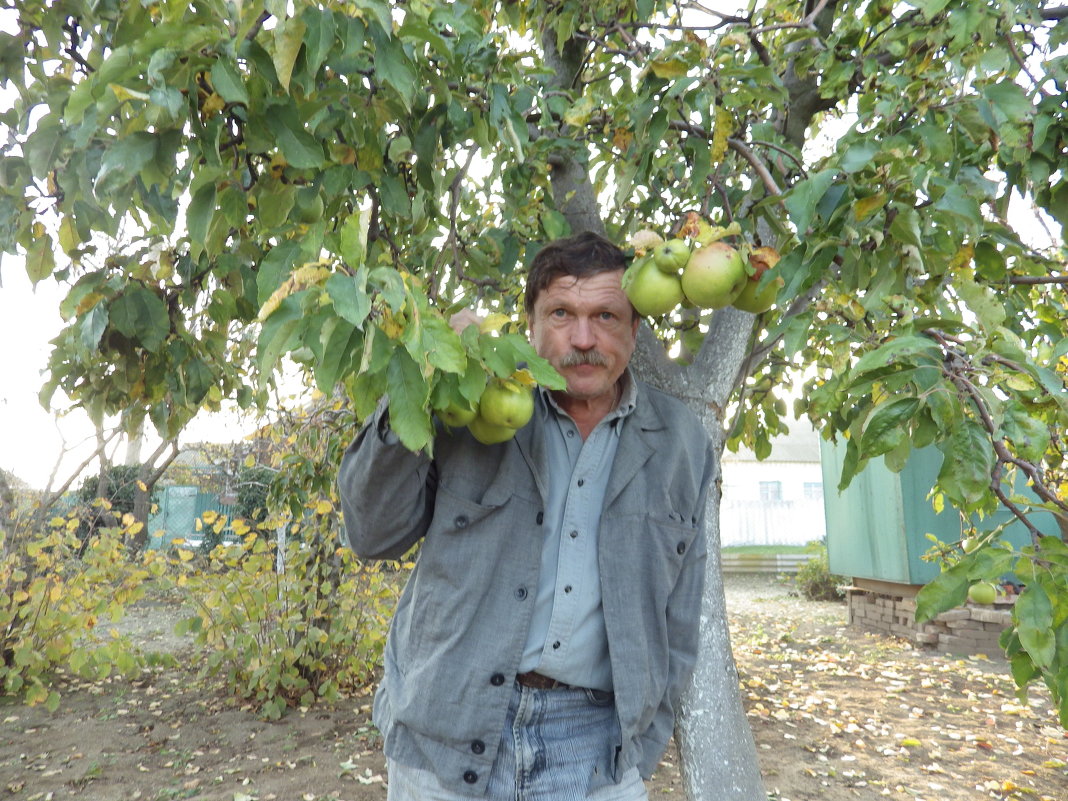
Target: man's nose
{"points": [[582, 337]]}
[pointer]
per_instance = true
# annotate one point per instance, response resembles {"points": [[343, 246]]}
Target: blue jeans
{"points": [[557, 745]]}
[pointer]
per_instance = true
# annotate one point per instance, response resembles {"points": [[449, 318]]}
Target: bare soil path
{"points": [[837, 714]]}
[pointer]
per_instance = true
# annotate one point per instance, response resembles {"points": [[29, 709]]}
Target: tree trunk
{"points": [[718, 753]]}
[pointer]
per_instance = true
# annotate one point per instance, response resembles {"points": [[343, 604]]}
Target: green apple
{"points": [[653, 292], [982, 592], [506, 403], [457, 414], [714, 276], [671, 256], [487, 433]]}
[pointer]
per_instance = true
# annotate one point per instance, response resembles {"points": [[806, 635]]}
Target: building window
{"points": [[814, 490], [771, 490]]}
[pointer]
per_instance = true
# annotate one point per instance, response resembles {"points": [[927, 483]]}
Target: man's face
{"points": [[587, 329]]}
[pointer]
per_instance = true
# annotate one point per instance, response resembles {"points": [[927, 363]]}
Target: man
{"points": [[542, 641]]}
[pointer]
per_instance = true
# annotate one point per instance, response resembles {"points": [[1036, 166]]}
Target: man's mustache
{"points": [[579, 357]]}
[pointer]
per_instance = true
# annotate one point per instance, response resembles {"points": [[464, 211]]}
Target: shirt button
{"points": [[556, 645], [581, 481], [460, 521], [521, 593], [680, 549], [470, 776], [478, 747], [497, 679], [540, 518], [567, 588], [573, 534], [571, 432]]}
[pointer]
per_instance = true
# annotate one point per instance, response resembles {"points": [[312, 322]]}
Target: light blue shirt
{"points": [[567, 639]]}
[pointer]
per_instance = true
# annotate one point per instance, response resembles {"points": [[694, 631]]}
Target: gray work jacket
{"points": [[460, 626]]}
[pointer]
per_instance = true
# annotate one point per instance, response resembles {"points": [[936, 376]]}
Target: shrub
{"points": [[54, 588], [279, 639], [814, 579]]}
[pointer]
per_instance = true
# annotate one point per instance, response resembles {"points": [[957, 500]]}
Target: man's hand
{"points": [[464, 318]]}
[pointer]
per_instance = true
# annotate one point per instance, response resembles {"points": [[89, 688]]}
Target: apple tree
{"points": [[326, 182]]}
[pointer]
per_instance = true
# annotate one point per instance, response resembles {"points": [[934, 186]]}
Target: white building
{"points": [[778, 501]]}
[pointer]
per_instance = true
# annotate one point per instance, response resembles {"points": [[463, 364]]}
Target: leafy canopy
{"points": [[326, 181]]}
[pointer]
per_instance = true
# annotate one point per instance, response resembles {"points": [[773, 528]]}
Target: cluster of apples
{"points": [[702, 271], [506, 405]]}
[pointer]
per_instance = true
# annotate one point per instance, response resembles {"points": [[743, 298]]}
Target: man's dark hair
{"points": [[580, 256]]}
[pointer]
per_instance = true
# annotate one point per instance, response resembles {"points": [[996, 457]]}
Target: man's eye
{"points": [[558, 313], [607, 316]]}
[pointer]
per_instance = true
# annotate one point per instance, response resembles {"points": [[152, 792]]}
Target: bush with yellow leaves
{"points": [[287, 636], [54, 589]]}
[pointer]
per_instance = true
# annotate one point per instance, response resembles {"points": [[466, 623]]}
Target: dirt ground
{"points": [[837, 714]]}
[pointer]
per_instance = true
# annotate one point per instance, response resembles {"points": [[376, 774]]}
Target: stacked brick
{"points": [[970, 629]]}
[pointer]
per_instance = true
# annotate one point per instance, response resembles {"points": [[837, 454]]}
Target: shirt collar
{"points": [[628, 400]]}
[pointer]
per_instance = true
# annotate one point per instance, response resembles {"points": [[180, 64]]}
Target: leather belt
{"points": [[540, 682]]}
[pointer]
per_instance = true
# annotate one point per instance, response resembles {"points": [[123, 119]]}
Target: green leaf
{"points": [[408, 396], [349, 296], [906, 227], [141, 315], [1009, 98], [1033, 614], [886, 428], [393, 66], [340, 349], [301, 149], [1029, 436], [198, 217], [802, 199], [123, 160], [984, 302], [92, 326], [948, 590], [859, 156], [967, 463], [900, 350], [353, 249], [228, 82]]}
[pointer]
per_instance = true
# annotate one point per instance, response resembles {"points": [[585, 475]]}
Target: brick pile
{"points": [[970, 629]]}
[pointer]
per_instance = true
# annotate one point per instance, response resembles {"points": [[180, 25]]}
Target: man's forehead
{"points": [[604, 285]]}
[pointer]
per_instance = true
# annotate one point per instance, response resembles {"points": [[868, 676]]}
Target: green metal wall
{"points": [[877, 528]]}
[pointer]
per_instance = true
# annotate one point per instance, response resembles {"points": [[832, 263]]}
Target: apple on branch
{"points": [[714, 276], [753, 298]]}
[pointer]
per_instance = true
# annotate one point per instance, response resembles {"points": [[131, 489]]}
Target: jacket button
{"points": [[497, 679], [478, 747], [470, 776], [680, 549], [521, 594], [460, 521], [541, 518]]}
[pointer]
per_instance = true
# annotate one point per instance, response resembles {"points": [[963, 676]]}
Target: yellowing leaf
{"points": [[240, 527], [209, 516], [579, 113], [525, 378], [250, 461], [864, 207], [141, 485], [911, 742], [324, 507], [184, 555], [668, 68], [493, 323]]}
